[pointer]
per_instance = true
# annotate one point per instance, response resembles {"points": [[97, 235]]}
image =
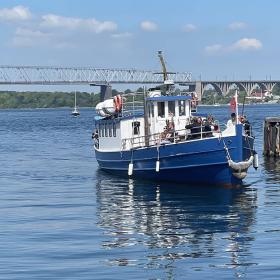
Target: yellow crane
{"points": [[164, 72]]}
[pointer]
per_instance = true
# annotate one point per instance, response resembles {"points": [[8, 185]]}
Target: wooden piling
{"points": [[271, 137]]}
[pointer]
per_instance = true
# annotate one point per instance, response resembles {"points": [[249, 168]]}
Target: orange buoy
{"points": [[118, 102]]}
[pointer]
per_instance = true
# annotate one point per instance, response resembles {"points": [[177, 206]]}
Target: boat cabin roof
{"points": [[169, 98], [117, 119]]}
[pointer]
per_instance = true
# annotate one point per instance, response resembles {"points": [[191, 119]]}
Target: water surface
{"points": [[63, 218]]}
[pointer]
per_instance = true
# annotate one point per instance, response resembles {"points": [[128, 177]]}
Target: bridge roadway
{"points": [[44, 75]]}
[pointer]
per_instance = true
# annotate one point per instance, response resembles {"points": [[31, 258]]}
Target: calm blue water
{"points": [[62, 218]]}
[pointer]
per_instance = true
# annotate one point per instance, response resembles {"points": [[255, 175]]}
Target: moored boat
{"points": [[156, 134]]}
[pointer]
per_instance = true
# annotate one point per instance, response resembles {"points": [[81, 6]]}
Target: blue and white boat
{"points": [[156, 135]]}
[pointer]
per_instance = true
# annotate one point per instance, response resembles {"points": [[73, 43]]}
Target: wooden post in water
{"points": [[271, 137]]}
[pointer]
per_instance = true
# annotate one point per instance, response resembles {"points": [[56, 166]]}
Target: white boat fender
{"points": [[130, 169], [256, 161], [157, 166], [240, 168]]}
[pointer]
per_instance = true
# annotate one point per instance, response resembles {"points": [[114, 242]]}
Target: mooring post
{"points": [[271, 137]]}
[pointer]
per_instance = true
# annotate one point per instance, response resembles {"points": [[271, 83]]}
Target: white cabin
{"points": [[175, 109], [138, 130]]}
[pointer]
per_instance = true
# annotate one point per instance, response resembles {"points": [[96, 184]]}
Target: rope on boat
{"points": [[239, 169]]}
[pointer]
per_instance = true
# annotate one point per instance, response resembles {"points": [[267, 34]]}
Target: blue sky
{"points": [[214, 39]]}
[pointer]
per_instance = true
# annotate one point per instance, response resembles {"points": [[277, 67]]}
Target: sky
{"points": [[213, 39]]}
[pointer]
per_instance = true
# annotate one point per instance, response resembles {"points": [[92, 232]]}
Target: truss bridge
{"points": [[44, 75]]}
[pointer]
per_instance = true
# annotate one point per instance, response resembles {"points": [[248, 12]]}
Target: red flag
{"points": [[233, 104]]}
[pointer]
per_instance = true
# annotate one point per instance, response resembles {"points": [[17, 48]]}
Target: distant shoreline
{"points": [[246, 104]]}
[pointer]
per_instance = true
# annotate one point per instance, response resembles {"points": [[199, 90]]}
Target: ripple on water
{"points": [[62, 218]]}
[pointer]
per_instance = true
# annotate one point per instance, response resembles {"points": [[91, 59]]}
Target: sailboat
{"points": [[75, 111]]}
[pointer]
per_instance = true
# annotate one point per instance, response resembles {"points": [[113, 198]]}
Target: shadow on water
{"points": [[271, 170], [176, 221], [271, 176]]}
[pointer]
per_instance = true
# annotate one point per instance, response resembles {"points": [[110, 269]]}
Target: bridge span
{"points": [[44, 75], [222, 87], [50, 75]]}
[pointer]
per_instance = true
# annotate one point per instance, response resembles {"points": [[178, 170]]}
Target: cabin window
{"points": [[114, 130], [161, 109], [182, 108], [101, 130], [171, 107], [97, 127], [136, 128], [106, 130], [110, 130], [151, 110]]}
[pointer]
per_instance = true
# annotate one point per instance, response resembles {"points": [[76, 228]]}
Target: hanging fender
{"points": [[239, 169]]}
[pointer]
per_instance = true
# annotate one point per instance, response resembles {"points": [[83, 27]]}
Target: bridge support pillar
{"points": [[225, 88], [105, 91]]}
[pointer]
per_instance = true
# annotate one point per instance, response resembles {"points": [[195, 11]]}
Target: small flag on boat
{"points": [[233, 104]]}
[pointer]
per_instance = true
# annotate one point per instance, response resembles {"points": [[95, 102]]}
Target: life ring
{"points": [[118, 102]]}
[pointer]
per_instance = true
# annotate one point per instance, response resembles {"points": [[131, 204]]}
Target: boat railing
{"points": [[133, 103], [170, 136], [248, 129], [133, 107]]}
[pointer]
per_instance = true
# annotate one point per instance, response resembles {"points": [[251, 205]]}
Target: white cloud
{"points": [[122, 35], [27, 37], [91, 24], [245, 44], [23, 32], [189, 28], [237, 25], [149, 26], [213, 48], [14, 14]]}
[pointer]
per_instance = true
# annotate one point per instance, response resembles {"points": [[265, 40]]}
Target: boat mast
{"points": [[164, 72]]}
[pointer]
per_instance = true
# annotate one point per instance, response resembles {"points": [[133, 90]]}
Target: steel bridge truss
{"points": [[32, 75]]}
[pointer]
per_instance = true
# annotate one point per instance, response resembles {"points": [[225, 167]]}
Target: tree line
{"points": [[28, 99], [13, 99]]}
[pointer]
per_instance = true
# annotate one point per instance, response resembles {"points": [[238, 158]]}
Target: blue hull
{"points": [[194, 162]]}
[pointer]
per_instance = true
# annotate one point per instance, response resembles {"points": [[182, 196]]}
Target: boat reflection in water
{"points": [[205, 226]]}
